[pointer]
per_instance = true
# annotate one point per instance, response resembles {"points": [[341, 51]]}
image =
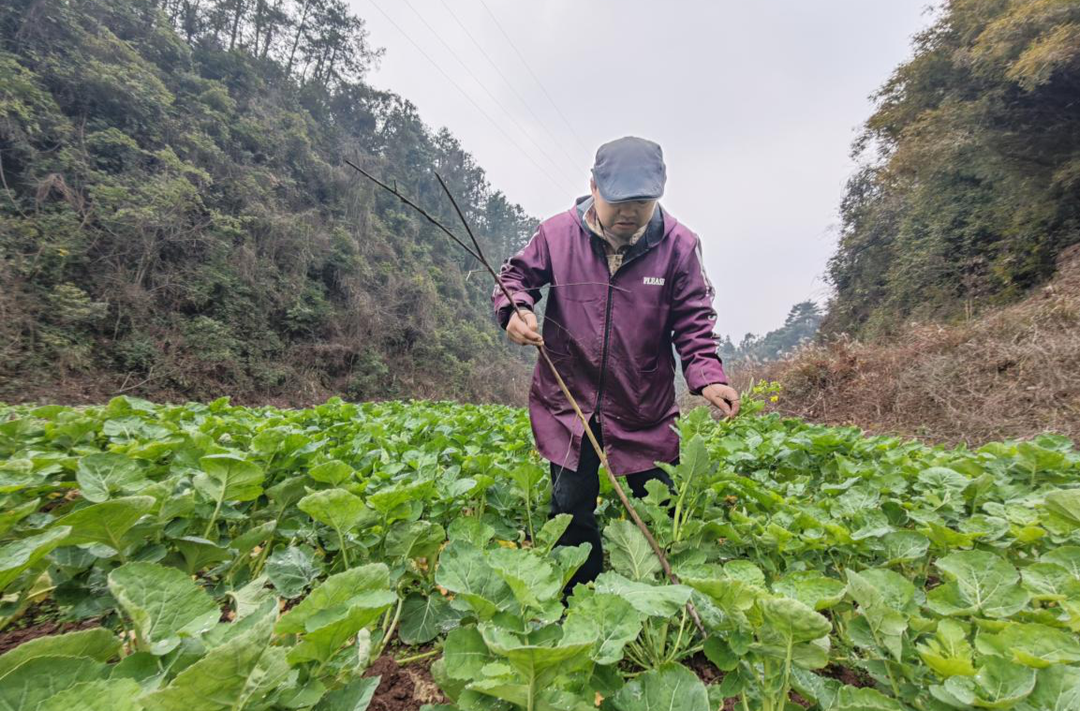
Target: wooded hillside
{"points": [[971, 184], [175, 220]]}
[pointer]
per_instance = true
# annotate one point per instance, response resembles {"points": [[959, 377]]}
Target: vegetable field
{"points": [[220, 557]]}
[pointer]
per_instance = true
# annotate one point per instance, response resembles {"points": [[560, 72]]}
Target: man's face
{"points": [[622, 219]]}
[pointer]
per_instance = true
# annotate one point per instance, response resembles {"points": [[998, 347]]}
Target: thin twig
{"points": [[394, 191]]}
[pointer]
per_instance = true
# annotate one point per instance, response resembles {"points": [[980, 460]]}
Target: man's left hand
{"points": [[724, 397]]}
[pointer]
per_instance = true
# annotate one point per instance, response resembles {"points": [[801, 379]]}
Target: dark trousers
{"points": [[575, 493]]}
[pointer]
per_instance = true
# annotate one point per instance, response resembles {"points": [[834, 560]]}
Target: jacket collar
{"points": [[661, 224]]}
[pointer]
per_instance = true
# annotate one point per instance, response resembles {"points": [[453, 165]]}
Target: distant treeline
{"points": [[971, 184], [800, 326], [175, 219]]}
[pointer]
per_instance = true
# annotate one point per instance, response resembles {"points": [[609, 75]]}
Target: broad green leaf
{"points": [[745, 572], [986, 581], [291, 570], [811, 588], [882, 595], [1056, 689], [940, 480], [672, 687], [464, 571], [904, 547], [164, 604], [819, 689], [414, 539], [353, 586], [19, 555], [107, 522], [1065, 503], [97, 643], [334, 472], [251, 597], [423, 618], [948, 600], [531, 578], [570, 558], [471, 530], [39, 678], [13, 515], [1068, 557], [948, 653], [107, 473], [1032, 645], [336, 610], [244, 670], [465, 654], [790, 621], [988, 528], [551, 532], [229, 477], [695, 464], [720, 653], [1049, 581], [200, 553], [355, 696], [629, 552], [246, 541], [946, 538], [850, 698], [538, 664], [649, 600], [101, 695], [386, 500], [998, 684], [329, 630], [336, 508], [617, 622], [895, 590], [519, 695]]}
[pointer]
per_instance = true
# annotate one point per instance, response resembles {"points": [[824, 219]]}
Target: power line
{"points": [[495, 66], [484, 88], [535, 78], [457, 86]]}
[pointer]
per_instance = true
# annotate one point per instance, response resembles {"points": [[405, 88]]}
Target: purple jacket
{"points": [[611, 336]]}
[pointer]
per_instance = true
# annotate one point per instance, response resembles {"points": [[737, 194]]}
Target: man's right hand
{"points": [[523, 331]]}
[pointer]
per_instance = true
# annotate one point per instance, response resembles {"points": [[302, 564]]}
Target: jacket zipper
{"points": [[604, 351], [604, 347], [607, 335]]}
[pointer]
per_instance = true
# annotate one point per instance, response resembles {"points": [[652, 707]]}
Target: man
{"points": [[626, 282]]}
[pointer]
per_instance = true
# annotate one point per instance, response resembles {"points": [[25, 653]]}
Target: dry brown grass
{"points": [[1010, 373]]}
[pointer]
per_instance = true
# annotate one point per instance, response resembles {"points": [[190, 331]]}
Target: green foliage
{"points": [[941, 579], [972, 175], [175, 216]]}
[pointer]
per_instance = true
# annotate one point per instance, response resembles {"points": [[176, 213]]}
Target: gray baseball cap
{"points": [[629, 168]]}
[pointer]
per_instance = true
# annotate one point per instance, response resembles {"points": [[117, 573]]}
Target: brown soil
{"points": [[12, 638], [846, 675], [709, 674], [706, 670], [403, 688]]}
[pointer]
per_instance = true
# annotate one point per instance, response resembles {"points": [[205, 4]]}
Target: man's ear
{"points": [[592, 186]]}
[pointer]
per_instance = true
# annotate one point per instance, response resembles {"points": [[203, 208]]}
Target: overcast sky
{"points": [[754, 103]]}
